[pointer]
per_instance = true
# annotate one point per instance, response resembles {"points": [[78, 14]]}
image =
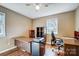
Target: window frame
{"points": [[2, 34], [50, 21]]}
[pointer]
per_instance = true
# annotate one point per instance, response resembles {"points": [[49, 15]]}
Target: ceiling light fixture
{"points": [[37, 5]]}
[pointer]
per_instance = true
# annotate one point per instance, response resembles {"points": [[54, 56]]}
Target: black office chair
{"points": [[56, 41], [53, 39]]}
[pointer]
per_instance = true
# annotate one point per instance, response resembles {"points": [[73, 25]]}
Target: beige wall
{"points": [[77, 19], [16, 25], [66, 24]]}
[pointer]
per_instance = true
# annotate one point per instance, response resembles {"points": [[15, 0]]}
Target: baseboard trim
{"points": [[7, 51]]}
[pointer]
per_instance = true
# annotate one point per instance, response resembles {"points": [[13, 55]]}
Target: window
{"points": [[2, 24], [52, 25]]}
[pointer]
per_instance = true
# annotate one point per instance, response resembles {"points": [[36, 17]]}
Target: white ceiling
{"points": [[30, 11]]}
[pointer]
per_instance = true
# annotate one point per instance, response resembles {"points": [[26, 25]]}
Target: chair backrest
{"points": [[53, 36]]}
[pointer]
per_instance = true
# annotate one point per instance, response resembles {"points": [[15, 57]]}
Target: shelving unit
{"points": [[40, 31]]}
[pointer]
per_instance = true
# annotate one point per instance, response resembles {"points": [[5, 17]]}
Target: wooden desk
{"points": [[23, 44], [71, 47], [27, 44]]}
